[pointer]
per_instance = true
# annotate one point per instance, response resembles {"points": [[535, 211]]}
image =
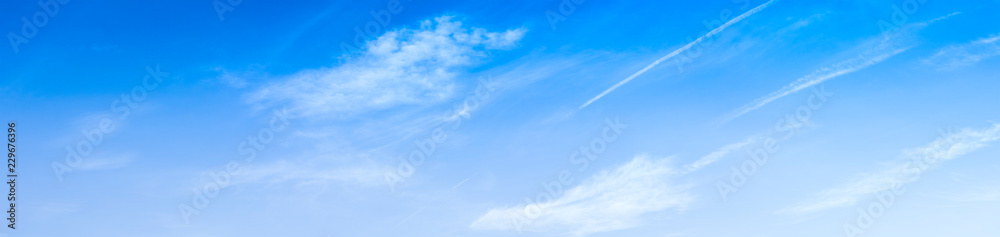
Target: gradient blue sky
{"points": [[842, 97]]}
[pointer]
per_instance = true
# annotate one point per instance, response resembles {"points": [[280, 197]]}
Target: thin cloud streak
{"points": [[610, 200], [886, 49], [680, 50], [869, 58], [718, 154], [943, 149], [956, 56]]}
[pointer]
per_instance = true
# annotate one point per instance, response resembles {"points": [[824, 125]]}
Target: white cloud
{"points": [[406, 66], [956, 56], [610, 200], [943, 149], [679, 50]]}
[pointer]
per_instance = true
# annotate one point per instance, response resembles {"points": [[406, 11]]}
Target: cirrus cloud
{"points": [[405, 66], [610, 200]]}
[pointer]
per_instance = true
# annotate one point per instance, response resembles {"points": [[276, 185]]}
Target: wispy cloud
{"points": [[610, 200], [943, 149], [679, 50], [984, 194], [718, 154], [238, 78], [956, 56], [884, 49], [406, 66], [55, 209], [942, 18], [105, 162], [305, 174], [868, 58]]}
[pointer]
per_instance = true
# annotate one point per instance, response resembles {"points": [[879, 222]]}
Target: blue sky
{"points": [[499, 118]]}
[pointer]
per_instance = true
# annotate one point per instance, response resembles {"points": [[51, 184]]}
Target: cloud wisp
{"points": [[956, 56], [871, 57], [106, 163], [610, 200], [313, 174], [919, 160], [406, 66], [896, 42], [679, 51], [718, 154]]}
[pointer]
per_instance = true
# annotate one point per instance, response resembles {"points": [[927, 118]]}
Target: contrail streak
{"points": [[680, 50]]}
